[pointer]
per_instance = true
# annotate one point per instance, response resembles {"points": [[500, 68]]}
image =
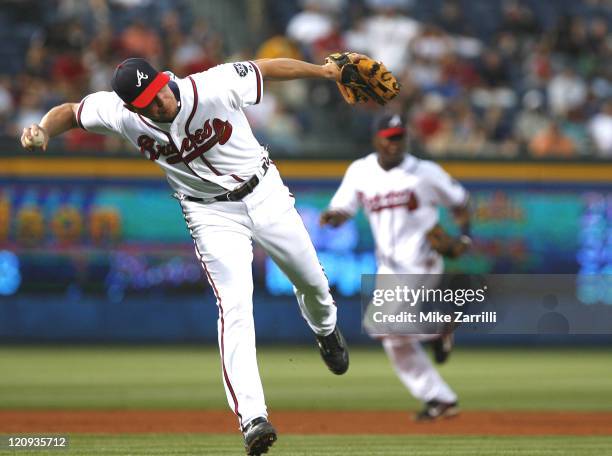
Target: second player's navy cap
{"points": [[390, 126], [137, 82]]}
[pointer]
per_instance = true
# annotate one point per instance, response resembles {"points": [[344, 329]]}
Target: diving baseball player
{"points": [[400, 195], [230, 194]]}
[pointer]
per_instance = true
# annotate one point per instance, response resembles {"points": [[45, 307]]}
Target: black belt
{"points": [[239, 193]]}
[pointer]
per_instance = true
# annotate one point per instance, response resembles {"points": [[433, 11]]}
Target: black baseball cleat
{"points": [[442, 347], [334, 351], [435, 410], [259, 435]]}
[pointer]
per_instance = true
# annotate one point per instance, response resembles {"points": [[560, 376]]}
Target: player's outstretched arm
{"points": [[359, 78], [284, 69], [58, 120]]}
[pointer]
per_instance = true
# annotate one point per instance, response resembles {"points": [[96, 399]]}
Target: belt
{"points": [[239, 193]]}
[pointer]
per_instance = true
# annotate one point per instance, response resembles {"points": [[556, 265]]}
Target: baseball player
{"points": [[230, 194], [400, 195]]}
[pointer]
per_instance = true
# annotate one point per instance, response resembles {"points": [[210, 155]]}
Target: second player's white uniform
{"points": [[402, 205], [207, 150]]}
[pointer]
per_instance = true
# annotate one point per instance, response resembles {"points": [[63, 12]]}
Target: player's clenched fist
{"points": [[34, 137], [333, 218]]}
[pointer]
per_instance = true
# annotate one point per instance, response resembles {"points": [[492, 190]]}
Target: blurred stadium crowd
{"points": [[480, 78]]}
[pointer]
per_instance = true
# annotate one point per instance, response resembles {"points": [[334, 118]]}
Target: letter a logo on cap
{"points": [[140, 76]]}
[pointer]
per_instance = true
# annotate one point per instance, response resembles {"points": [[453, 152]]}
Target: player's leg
{"points": [[288, 244], [223, 246], [278, 228], [416, 371]]}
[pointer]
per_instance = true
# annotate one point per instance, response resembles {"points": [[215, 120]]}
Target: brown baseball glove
{"points": [[363, 79], [447, 245]]}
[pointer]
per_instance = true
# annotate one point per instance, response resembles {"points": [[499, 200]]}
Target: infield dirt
{"points": [[306, 422]]}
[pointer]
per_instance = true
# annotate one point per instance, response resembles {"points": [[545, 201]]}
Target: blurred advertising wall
{"points": [[101, 253]]}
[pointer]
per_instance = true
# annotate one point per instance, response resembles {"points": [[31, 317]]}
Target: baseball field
{"points": [[170, 401]]}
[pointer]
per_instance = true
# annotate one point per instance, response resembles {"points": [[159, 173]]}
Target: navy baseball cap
{"points": [[137, 82], [390, 126]]}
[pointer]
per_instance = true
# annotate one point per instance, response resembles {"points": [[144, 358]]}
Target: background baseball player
{"points": [[401, 196], [230, 194]]}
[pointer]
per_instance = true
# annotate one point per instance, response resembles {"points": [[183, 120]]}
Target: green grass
{"points": [[295, 378], [210, 445]]}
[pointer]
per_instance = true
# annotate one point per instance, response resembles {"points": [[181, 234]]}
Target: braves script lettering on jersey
{"points": [[197, 144], [401, 205], [206, 150]]}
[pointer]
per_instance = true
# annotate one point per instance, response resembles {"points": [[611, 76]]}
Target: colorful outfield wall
{"points": [[97, 249]]}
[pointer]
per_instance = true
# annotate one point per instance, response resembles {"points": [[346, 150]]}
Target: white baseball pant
{"points": [[415, 369], [406, 354], [223, 234]]}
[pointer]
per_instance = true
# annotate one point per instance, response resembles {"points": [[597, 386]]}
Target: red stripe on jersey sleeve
{"points": [[195, 105], [78, 116], [259, 82]]}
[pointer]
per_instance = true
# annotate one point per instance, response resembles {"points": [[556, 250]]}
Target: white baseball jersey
{"points": [[209, 148], [401, 205]]}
